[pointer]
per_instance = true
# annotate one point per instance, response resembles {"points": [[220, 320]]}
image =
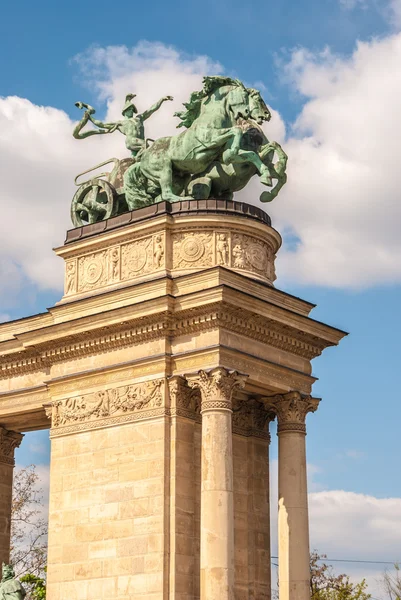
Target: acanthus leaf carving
{"points": [[291, 410], [182, 396], [9, 441], [217, 386], [251, 418]]}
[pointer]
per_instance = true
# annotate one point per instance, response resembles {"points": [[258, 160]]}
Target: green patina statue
{"points": [[10, 588], [131, 126], [222, 147]]}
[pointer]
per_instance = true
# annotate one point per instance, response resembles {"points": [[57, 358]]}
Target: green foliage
{"points": [[325, 585], [35, 586]]}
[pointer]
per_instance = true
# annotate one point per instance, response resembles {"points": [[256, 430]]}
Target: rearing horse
{"points": [[215, 119], [221, 180]]}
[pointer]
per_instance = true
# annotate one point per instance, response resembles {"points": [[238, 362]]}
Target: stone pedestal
{"points": [[159, 461], [9, 441]]}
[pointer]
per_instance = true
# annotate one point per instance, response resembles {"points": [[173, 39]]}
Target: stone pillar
{"points": [[9, 441], [293, 523], [217, 508]]}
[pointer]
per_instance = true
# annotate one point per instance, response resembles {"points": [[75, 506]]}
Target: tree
{"points": [[391, 583], [28, 527], [325, 585], [35, 586]]}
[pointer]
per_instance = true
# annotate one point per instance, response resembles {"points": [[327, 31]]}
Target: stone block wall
{"points": [[108, 530]]}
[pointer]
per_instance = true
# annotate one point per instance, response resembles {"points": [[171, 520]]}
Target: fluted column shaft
{"points": [[217, 507], [9, 440], [293, 520]]}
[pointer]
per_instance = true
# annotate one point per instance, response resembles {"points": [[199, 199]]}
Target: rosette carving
{"points": [[216, 387], [291, 410]]}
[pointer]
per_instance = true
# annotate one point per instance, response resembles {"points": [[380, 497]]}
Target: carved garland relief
{"points": [[223, 247], [106, 403], [118, 263], [191, 249]]}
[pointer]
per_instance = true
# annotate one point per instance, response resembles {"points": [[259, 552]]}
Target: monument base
{"points": [[157, 369]]}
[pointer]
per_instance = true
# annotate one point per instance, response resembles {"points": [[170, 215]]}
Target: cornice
{"points": [[214, 315]]}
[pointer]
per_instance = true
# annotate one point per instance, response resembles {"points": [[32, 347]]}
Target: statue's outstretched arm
{"points": [[147, 113], [88, 116], [109, 126]]}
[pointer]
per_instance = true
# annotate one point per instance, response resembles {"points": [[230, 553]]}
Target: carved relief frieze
{"points": [[118, 263], [114, 264], [71, 276], [191, 249], [92, 271], [223, 248], [136, 258], [96, 406], [159, 254], [252, 254]]}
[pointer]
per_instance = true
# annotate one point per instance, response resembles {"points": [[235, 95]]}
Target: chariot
{"points": [[101, 196]]}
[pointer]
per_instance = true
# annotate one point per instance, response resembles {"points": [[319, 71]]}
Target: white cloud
{"points": [[342, 196], [341, 201], [347, 525]]}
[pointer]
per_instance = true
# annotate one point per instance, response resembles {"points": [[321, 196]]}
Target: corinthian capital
{"points": [[216, 387], [9, 441], [291, 410]]}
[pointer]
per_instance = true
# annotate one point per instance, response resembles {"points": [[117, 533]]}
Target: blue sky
{"points": [[329, 69]]}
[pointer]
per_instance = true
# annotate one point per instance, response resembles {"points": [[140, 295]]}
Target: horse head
{"points": [[258, 108], [237, 102]]}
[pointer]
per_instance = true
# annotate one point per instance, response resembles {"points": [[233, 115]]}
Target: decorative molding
{"points": [[142, 415], [192, 249], [9, 441], [194, 320], [216, 387], [189, 247], [106, 403], [291, 410], [131, 258]]}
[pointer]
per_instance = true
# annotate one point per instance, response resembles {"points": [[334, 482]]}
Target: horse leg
{"points": [[252, 157], [231, 152], [166, 184]]}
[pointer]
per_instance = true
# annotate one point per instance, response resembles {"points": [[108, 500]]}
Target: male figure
{"points": [[222, 249], [10, 588], [131, 126]]}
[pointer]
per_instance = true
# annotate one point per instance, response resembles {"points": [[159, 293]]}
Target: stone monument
{"points": [[162, 366]]}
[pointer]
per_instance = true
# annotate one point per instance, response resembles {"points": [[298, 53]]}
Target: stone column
{"points": [[217, 508], [9, 441], [293, 523]]}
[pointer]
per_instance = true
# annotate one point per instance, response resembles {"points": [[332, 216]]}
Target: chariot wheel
{"points": [[93, 201]]}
